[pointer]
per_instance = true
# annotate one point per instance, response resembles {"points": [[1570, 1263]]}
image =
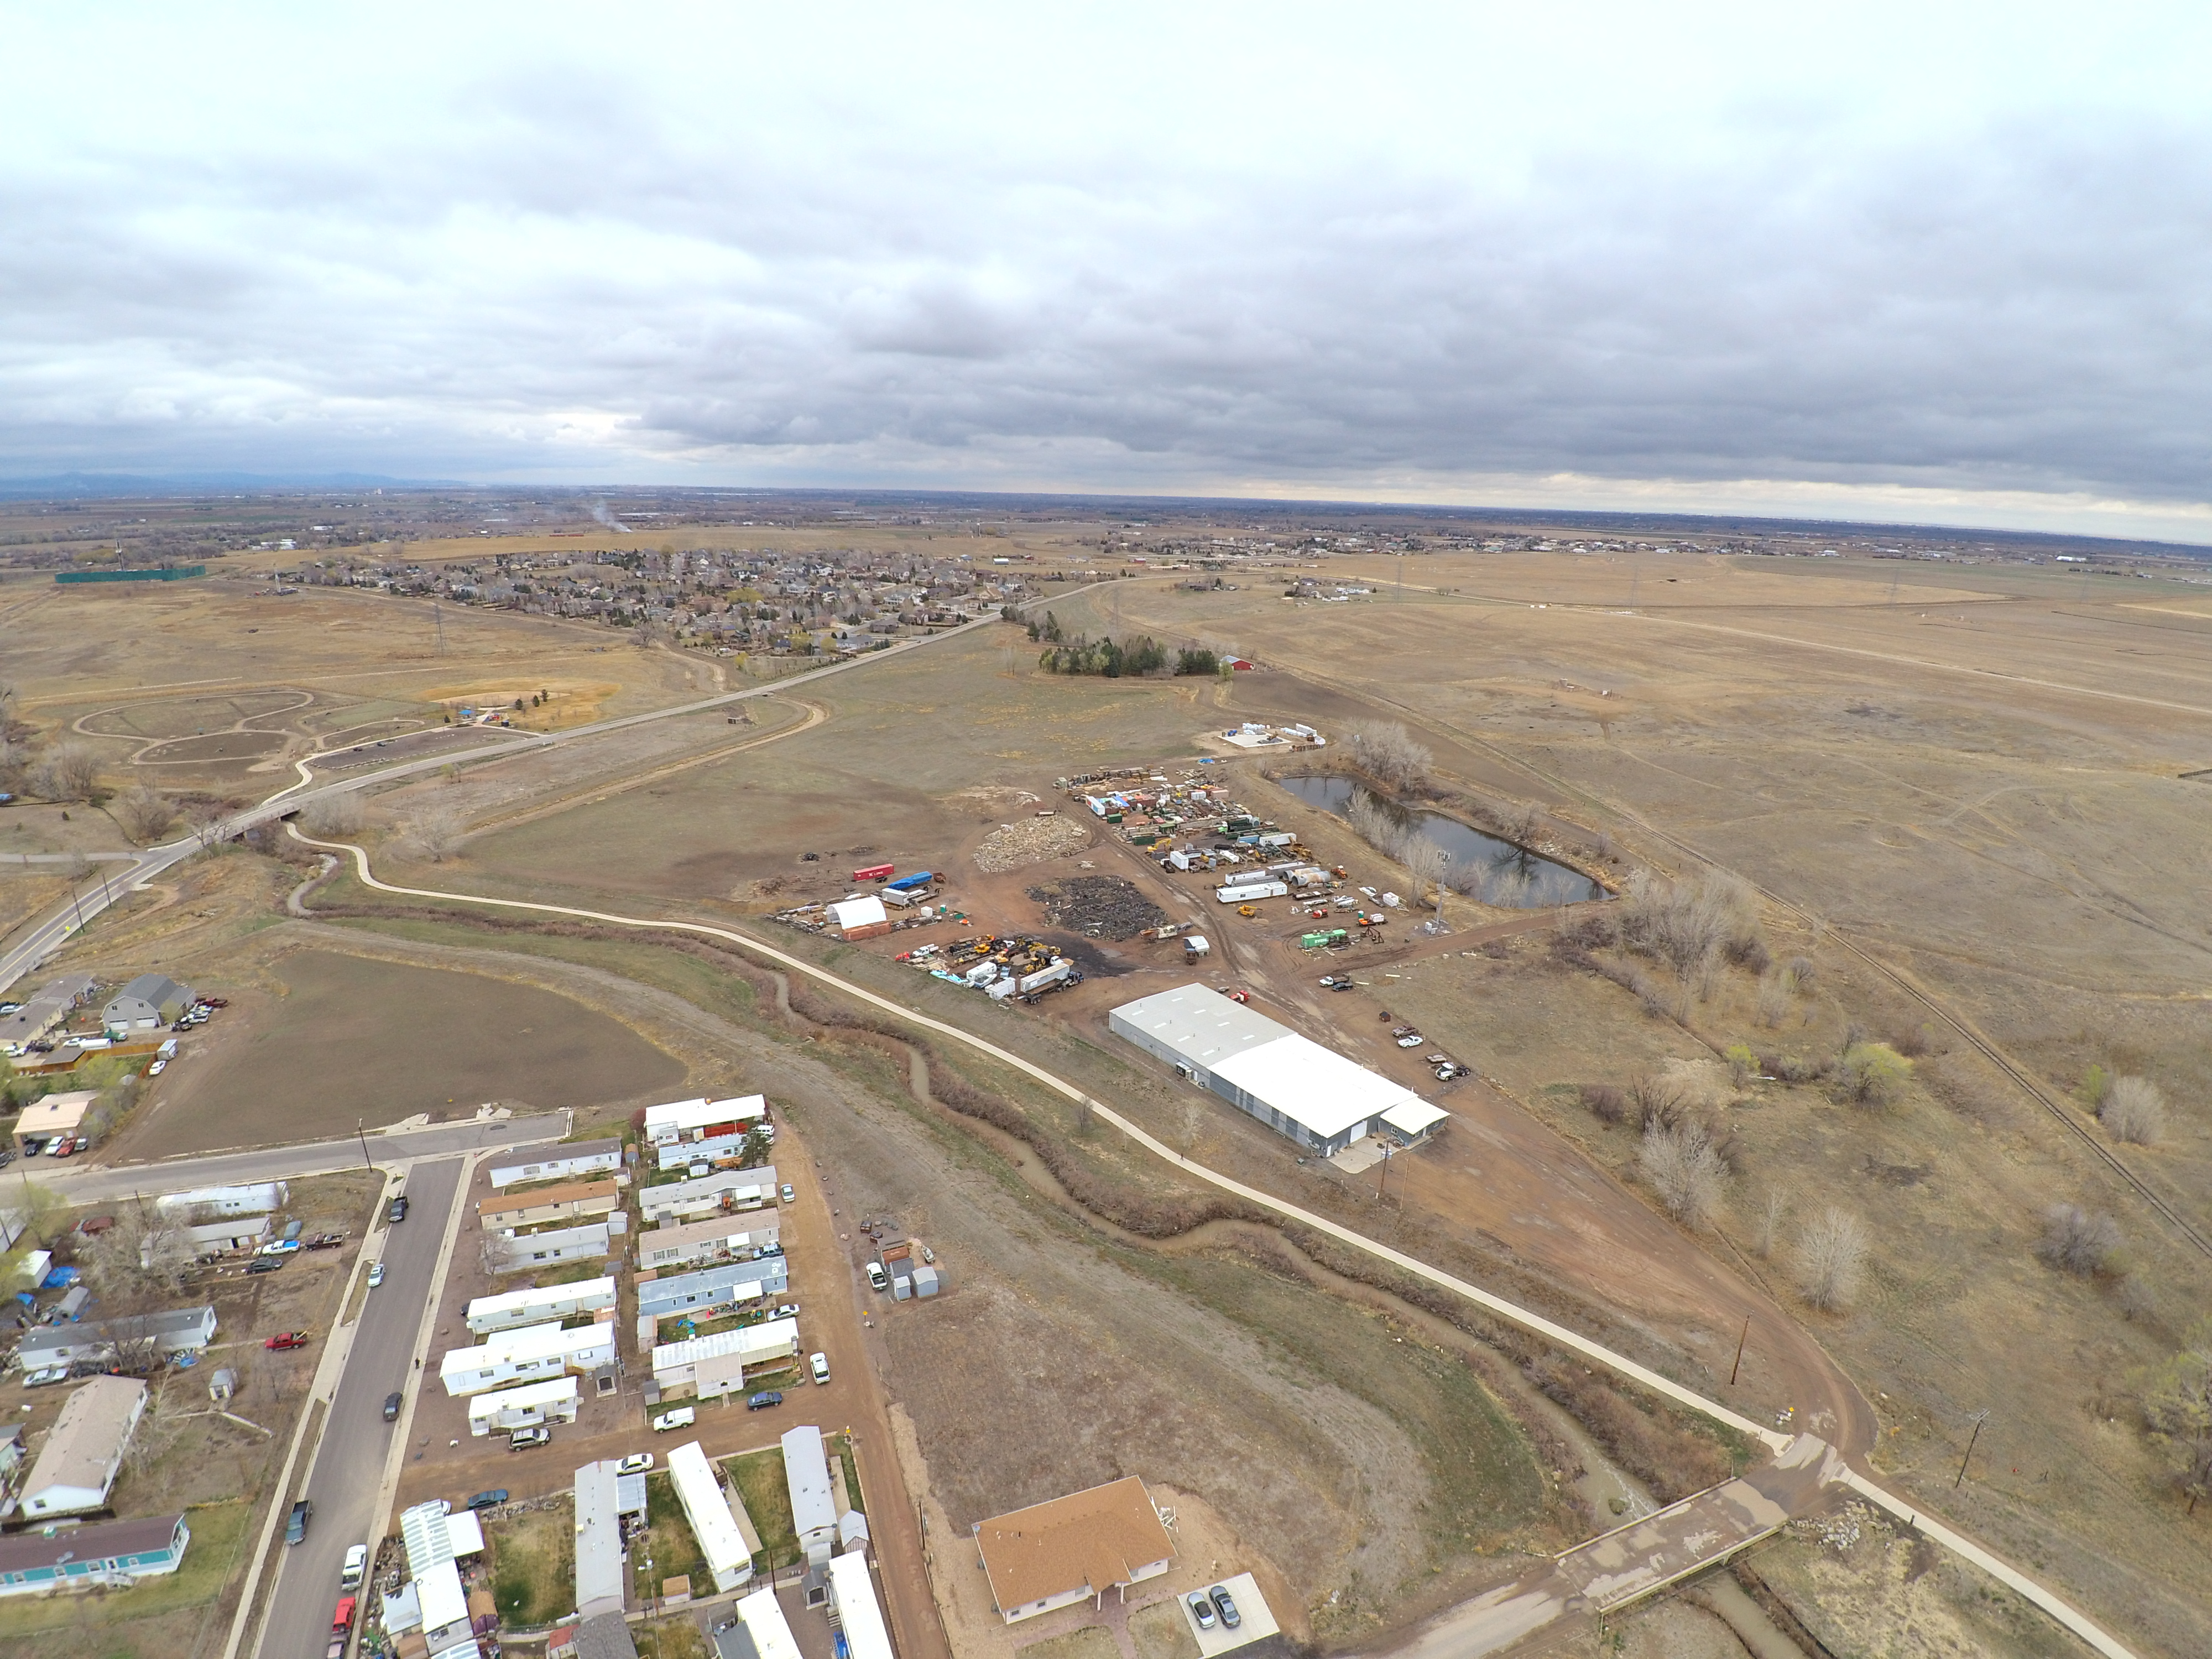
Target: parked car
{"points": [[6, 1156], [295, 1529], [1225, 1608], [32, 1145], [341, 1629], [488, 1500], [392, 1406], [324, 1242], [375, 1274], [1412, 1040], [763, 1399], [788, 1311], [789, 1196], [68, 1147], [355, 1568], [682, 1417], [287, 1339], [279, 1246], [524, 1439], [636, 1463], [45, 1374], [157, 1068], [95, 1225], [1201, 1609], [397, 1210], [265, 1265], [818, 1364]]}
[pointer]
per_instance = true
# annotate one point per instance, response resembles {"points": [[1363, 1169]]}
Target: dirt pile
{"points": [[1098, 907], [1032, 841]]}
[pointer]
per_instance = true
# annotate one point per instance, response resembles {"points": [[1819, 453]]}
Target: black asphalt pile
{"points": [[1097, 907]]}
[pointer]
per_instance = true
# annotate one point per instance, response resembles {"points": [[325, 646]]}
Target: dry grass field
{"points": [[314, 1041], [1958, 790]]}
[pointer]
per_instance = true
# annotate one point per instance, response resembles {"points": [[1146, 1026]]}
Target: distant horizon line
{"points": [[85, 487]]}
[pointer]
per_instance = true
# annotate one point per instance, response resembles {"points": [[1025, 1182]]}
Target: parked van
{"points": [[681, 1418], [818, 1364]]}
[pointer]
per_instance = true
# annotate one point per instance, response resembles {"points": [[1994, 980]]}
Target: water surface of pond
{"points": [[1511, 877]]}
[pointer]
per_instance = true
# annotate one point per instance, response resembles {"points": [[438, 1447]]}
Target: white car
{"points": [[157, 1068], [1413, 1042], [375, 1275], [789, 1196], [819, 1366], [279, 1246], [355, 1568], [636, 1463]]}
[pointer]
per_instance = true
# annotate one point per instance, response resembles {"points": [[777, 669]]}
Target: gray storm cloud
{"points": [[558, 267]]}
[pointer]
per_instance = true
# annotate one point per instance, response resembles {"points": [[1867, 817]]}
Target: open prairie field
{"points": [[219, 685], [905, 767]]}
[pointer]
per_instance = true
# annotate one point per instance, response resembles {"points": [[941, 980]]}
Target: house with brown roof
{"points": [[577, 1201], [1065, 1549]]}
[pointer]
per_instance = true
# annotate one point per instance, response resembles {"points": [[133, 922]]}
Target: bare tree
{"points": [[142, 1257], [1389, 754], [68, 771], [1690, 924], [435, 831], [1776, 997], [2178, 1412], [1771, 1218], [2134, 1109], [1831, 1255], [1684, 1170], [1374, 823], [1428, 864], [145, 814], [206, 820], [2077, 1240], [333, 814]]}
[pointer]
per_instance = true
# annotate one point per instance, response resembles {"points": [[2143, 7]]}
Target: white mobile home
{"points": [[688, 1200], [525, 1407], [687, 1120], [258, 1198], [676, 1364], [860, 1615], [708, 1510], [526, 1355], [807, 1477], [516, 1308], [567, 1160]]}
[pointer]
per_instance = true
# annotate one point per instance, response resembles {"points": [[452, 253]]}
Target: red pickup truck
{"points": [[341, 1629], [288, 1339]]}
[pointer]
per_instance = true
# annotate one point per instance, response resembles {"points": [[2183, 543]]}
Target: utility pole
{"points": [[366, 1161], [1384, 1178], [438, 616], [1980, 1417], [1740, 1341]]}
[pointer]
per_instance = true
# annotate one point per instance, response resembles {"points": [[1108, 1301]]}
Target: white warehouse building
{"points": [[526, 1355], [1295, 1086]]}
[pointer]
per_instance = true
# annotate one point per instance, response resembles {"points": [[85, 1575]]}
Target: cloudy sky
{"points": [[1940, 263]]}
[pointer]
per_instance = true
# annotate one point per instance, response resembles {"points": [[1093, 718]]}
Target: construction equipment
{"points": [[1247, 909]]}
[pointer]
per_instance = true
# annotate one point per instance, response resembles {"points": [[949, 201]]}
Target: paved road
{"points": [[99, 1186], [348, 1466], [47, 935]]}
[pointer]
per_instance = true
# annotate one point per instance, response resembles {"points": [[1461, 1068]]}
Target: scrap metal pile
{"points": [[1000, 965], [1098, 907]]}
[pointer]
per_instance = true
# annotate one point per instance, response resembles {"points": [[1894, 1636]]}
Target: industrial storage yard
{"points": [[1428, 1159]]}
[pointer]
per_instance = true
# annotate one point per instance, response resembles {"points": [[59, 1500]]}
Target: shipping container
{"points": [[875, 872], [1032, 983]]}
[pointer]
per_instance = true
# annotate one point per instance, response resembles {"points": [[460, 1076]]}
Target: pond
{"points": [[1509, 876]]}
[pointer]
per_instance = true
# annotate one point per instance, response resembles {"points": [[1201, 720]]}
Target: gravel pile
{"points": [[1098, 907], [1030, 841]]}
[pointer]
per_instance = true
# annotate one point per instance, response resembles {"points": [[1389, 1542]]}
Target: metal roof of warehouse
{"points": [[1200, 1024], [1318, 1086]]}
